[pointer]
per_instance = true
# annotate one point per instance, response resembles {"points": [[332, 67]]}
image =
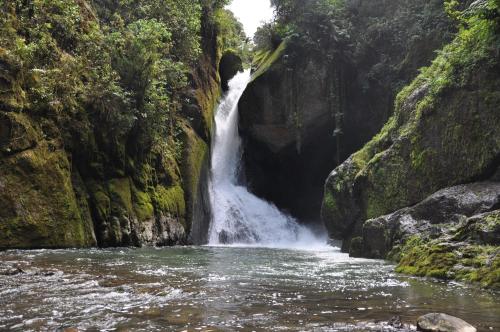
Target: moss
{"points": [[264, 60], [492, 220], [12, 95], [195, 158], [430, 260], [101, 202], [374, 147], [142, 204], [207, 98], [329, 202], [43, 210], [170, 201], [419, 158], [469, 263], [120, 194], [356, 247]]}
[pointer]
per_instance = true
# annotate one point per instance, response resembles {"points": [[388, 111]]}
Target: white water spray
{"points": [[239, 217]]}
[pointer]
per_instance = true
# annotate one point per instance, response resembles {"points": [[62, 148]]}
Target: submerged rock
{"points": [[437, 322], [396, 322], [12, 271]]}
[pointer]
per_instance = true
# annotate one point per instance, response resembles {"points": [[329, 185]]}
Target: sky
{"points": [[251, 13]]}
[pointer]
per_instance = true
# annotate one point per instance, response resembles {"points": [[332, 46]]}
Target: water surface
{"points": [[223, 288]]}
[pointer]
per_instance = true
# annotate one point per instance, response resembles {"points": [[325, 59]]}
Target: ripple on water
{"points": [[222, 288]]}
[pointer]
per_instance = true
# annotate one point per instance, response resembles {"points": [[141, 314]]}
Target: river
{"points": [[223, 288]]}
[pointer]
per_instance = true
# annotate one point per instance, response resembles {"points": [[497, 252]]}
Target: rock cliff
{"points": [[313, 103], [444, 133], [104, 138]]}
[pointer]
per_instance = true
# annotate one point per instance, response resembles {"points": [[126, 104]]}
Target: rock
{"points": [[287, 115], [356, 247], [12, 271], [396, 322], [437, 216], [437, 322], [452, 234], [16, 133], [66, 180], [229, 65], [433, 141], [67, 329], [483, 228]]}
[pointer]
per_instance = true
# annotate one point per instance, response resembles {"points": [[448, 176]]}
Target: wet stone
{"points": [[11, 271], [437, 322]]}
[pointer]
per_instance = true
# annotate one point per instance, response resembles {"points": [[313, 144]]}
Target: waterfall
{"points": [[240, 217]]}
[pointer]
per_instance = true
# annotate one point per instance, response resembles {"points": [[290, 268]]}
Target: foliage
{"points": [[231, 34], [124, 62], [316, 25]]}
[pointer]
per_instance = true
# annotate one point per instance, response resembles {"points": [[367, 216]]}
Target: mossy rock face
{"points": [[38, 205], [483, 228], [76, 157], [468, 263], [16, 133], [12, 95], [194, 169], [444, 132], [448, 235]]}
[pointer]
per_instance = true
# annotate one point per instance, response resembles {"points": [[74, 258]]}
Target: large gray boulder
{"points": [[466, 206], [437, 322]]}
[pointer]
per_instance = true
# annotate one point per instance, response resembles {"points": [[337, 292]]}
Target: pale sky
{"points": [[251, 13]]}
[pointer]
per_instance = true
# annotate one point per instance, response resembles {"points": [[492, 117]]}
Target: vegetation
{"points": [[232, 36], [104, 84], [469, 263]]}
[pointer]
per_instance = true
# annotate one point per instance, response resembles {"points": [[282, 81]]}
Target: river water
{"points": [[223, 289]]}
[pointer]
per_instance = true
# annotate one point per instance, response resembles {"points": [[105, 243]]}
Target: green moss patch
{"points": [[464, 262], [38, 195], [142, 204], [265, 59]]}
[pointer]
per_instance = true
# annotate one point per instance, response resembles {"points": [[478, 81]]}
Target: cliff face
{"points": [[444, 132], [87, 155], [306, 109]]}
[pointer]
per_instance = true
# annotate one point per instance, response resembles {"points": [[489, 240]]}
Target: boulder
{"points": [[468, 207], [230, 64], [437, 322]]}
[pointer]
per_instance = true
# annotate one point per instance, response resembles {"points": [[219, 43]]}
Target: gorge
{"points": [[161, 171]]}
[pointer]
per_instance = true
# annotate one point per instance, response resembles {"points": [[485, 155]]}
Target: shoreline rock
{"points": [[438, 322]]}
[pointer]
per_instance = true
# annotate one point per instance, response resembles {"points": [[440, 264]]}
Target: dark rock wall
{"points": [[288, 111], [229, 65]]}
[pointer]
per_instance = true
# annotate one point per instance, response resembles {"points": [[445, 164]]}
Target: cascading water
{"points": [[239, 217]]}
